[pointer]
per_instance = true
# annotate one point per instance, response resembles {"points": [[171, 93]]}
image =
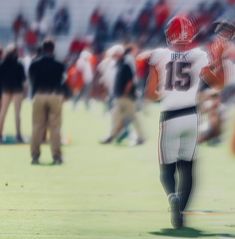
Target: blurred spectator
{"points": [[203, 26], [61, 24], [122, 25], [231, 2], [220, 49], [31, 39], [1, 58], [142, 23], [161, 14], [12, 77], [142, 70], [44, 28], [124, 111], [76, 46], [42, 7], [85, 68], [46, 75], [26, 60], [107, 70], [98, 90], [216, 8], [95, 19], [19, 24], [101, 36], [74, 79], [211, 109]]}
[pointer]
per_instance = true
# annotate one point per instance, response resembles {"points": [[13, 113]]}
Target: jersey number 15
{"points": [[180, 79]]}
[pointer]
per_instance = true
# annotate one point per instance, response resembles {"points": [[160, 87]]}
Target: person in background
{"points": [[46, 76], [12, 77], [212, 118], [161, 13], [31, 39], [107, 70], [77, 45], [124, 110], [1, 56], [84, 67], [221, 47], [95, 19], [62, 21], [100, 36], [142, 69], [19, 24], [142, 24], [122, 26], [41, 8], [74, 79]]}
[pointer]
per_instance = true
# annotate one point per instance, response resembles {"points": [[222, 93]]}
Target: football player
{"points": [[174, 78]]}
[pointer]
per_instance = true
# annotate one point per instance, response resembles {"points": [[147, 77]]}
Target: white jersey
{"points": [[108, 70], [229, 70], [179, 74]]}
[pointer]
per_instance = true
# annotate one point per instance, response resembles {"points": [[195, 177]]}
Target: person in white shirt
{"points": [[84, 66], [107, 70]]}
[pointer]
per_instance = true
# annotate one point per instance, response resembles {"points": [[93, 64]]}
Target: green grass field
{"points": [[107, 192]]}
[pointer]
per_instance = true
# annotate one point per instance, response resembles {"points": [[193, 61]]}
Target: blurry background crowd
{"points": [[91, 37], [98, 23]]}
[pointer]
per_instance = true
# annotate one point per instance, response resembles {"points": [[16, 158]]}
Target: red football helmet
{"points": [[180, 30]]}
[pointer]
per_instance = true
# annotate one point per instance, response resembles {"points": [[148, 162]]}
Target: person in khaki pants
{"points": [[46, 75], [124, 111]]}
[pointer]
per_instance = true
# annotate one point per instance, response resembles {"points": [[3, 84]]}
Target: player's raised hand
{"points": [[213, 75]]}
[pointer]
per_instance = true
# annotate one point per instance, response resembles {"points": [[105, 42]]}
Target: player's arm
{"points": [[151, 91], [213, 74], [229, 52]]}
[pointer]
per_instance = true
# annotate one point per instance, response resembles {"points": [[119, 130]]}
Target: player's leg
{"points": [[18, 98], [55, 103], [187, 154], [167, 177], [6, 100], [168, 152], [133, 116], [185, 169], [38, 124], [87, 94], [117, 117], [78, 96]]}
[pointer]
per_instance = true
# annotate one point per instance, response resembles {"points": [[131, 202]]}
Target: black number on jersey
{"points": [[182, 80]]}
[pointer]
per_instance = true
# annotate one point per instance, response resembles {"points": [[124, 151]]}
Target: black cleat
{"points": [[108, 140], [35, 161], [57, 161], [19, 139], [176, 215], [123, 136], [140, 141]]}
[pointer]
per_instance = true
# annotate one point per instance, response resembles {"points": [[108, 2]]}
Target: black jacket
{"points": [[46, 75], [123, 77], [12, 76]]}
